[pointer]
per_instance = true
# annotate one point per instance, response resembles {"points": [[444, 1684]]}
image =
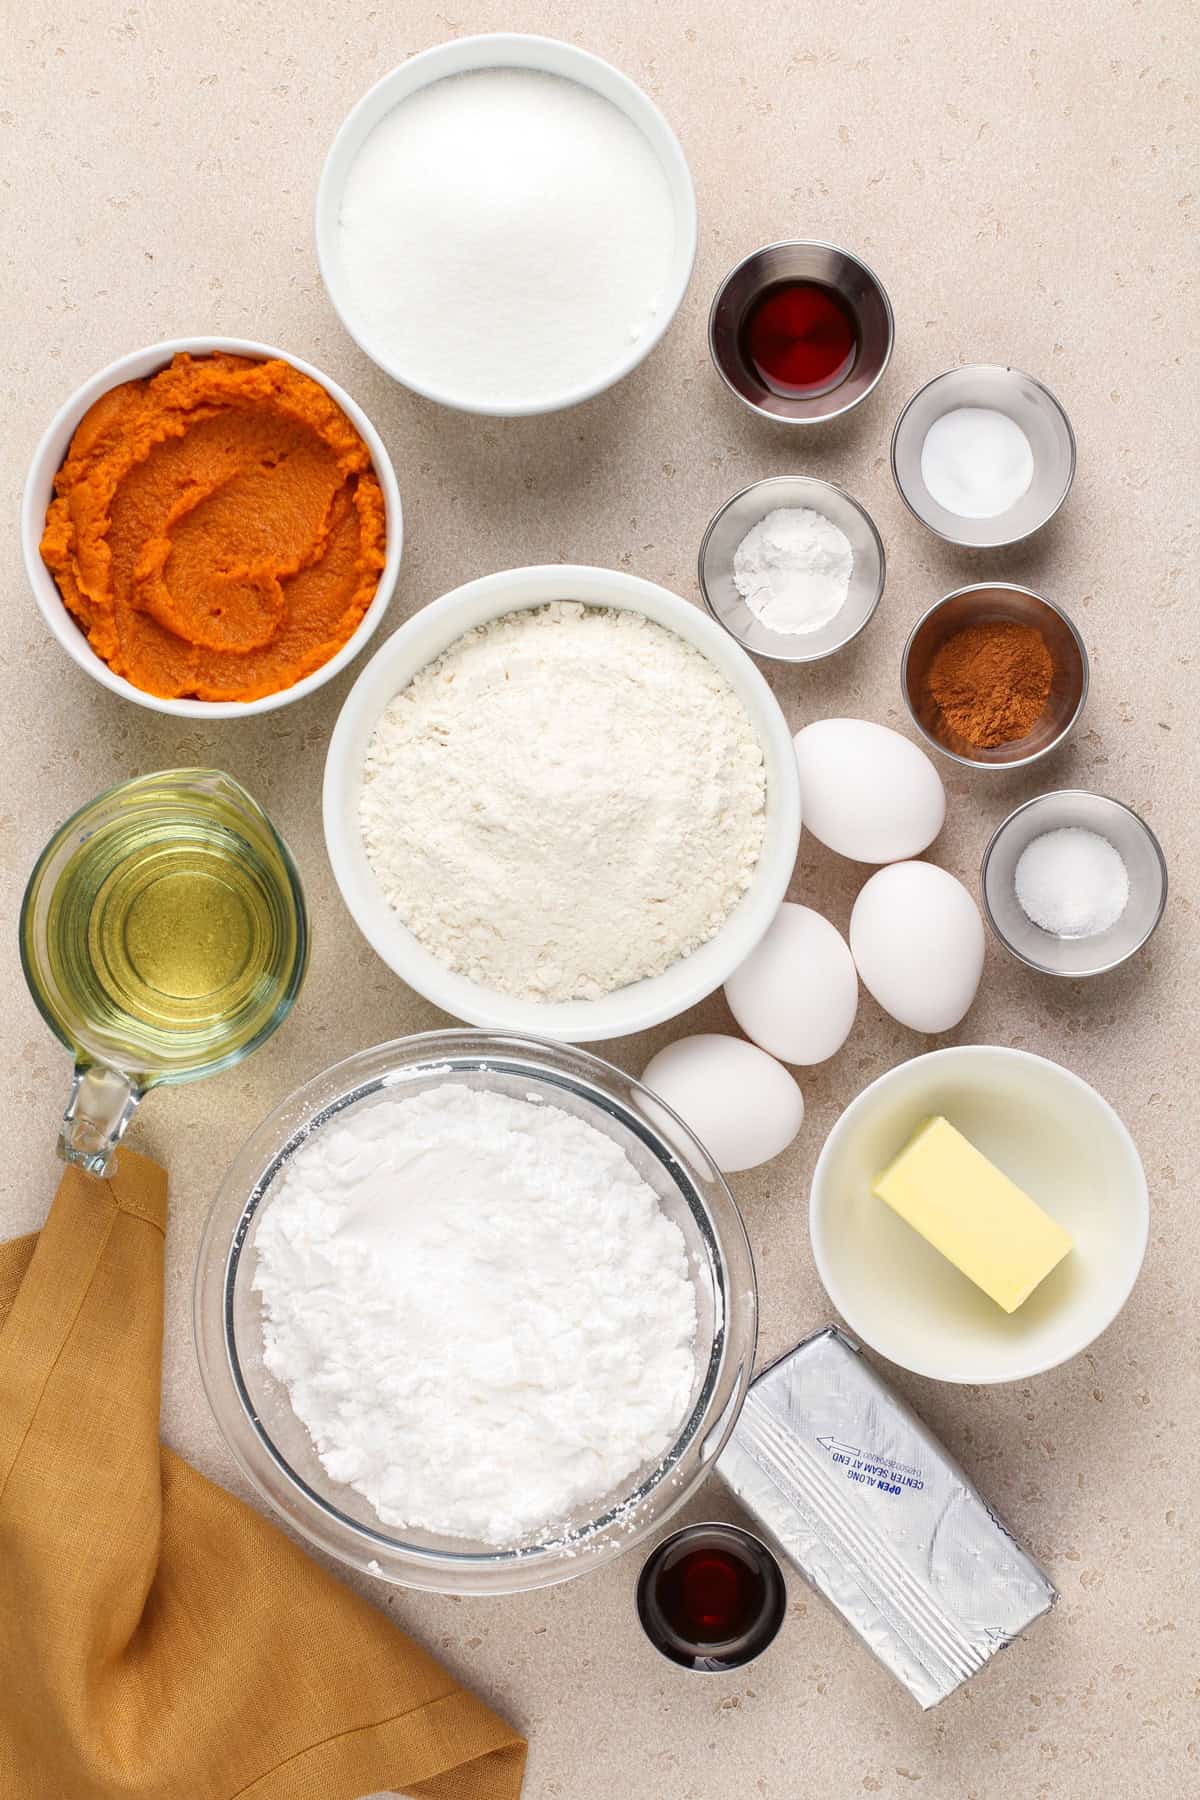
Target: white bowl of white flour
{"points": [[467, 1320], [506, 224], [561, 801]]}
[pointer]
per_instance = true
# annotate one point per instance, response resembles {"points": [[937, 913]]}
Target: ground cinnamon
{"points": [[991, 681]]}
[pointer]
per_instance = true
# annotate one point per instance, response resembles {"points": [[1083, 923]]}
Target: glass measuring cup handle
{"points": [[102, 1102]]}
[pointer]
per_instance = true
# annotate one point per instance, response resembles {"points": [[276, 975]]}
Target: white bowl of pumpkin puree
{"points": [[211, 527]]}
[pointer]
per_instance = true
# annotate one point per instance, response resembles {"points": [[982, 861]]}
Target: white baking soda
{"points": [[483, 1318], [976, 462], [506, 235]]}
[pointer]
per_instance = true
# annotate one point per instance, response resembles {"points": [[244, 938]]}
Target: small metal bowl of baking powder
{"points": [[982, 604], [860, 292], [729, 525], [1134, 842]]}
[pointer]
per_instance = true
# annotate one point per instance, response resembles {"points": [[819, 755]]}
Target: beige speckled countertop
{"points": [[1025, 180]]}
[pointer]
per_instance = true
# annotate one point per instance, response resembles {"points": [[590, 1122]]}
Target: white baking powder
{"points": [[569, 799], [482, 1316], [793, 570], [506, 235]]}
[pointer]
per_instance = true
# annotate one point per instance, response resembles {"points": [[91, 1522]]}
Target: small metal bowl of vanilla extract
{"points": [[711, 1597], [801, 331]]}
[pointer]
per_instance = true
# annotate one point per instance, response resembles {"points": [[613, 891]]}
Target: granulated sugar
{"points": [[482, 1316], [506, 235]]}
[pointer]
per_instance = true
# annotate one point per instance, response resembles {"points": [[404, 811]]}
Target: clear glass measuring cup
{"points": [[163, 937]]}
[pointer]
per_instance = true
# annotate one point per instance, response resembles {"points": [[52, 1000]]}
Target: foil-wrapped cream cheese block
{"points": [[864, 1501]]}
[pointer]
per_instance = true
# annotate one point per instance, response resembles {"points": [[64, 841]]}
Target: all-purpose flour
{"points": [[482, 1315], [569, 799], [506, 235]]}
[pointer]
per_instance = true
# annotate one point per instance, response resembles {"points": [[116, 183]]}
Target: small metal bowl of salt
{"points": [[983, 456], [1073, 883], [792, 567]]}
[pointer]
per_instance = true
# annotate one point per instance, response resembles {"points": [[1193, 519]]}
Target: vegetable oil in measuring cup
{"points": [[163, 932]]}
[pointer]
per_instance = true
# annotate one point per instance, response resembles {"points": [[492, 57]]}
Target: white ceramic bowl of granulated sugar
{"points": [[506, 224], [639, 1004]]}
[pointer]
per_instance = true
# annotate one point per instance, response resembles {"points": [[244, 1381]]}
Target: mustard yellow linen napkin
{"points": [[159, 1640]]}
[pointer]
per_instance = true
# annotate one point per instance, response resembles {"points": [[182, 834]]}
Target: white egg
{"points": [[742, 1105], [796, 994], [867, 792], [917, 938]]}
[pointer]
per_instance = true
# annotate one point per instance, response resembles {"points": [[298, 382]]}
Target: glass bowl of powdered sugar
{"points": [[467, 1320], [792, 567]]}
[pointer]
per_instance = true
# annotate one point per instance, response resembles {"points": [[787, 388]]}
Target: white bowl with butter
{"points": [[1049, 1132]]}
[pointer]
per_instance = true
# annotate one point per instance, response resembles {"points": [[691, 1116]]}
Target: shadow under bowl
{"points": [[1139, 850], [856, 285], [987, 603]]}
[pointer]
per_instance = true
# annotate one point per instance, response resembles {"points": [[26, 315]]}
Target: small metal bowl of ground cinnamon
{"points": [[994, 676]]}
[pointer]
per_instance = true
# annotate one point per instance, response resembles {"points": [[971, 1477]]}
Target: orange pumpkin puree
{"points": [[217, 529]]}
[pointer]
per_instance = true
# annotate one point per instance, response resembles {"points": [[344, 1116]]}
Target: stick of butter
{"points": [[946, 1189]]}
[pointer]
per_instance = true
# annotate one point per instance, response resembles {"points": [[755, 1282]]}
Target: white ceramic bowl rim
{"points": [[506, 49], [846, 1124], [39, 483], [419, 642]]}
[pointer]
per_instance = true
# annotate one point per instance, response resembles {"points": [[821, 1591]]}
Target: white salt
{"points": [[976, 462], [1072, 883], [506, 236]]}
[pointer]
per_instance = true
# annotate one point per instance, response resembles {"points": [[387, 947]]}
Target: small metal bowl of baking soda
{"points": [[792, 567], [994, 676], [1073, 883], [983, 455], [801, 332]]}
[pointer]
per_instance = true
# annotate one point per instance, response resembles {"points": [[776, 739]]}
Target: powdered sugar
{"points": [[569, 799], [482, 1315], [506, 235]]}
